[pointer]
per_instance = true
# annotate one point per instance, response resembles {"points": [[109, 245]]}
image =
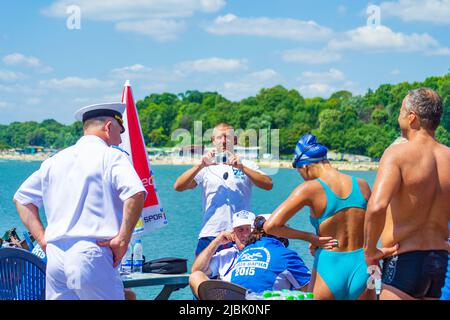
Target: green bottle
{"points": [[301, 296]]}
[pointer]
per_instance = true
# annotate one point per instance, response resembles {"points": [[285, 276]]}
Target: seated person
{"points": [[210, 264], [266, 263]]}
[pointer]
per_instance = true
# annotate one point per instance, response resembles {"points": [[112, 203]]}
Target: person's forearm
{"points": [[29, 214], [287, 232], [373, 226], [260, 180], [183, 181], [132, 209], [201, 263]]}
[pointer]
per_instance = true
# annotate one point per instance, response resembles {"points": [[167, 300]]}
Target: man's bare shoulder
{"points": [[364, 187], [397, 152], [443, 149]]}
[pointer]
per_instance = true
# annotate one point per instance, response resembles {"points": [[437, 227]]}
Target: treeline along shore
{"points": [[340, 165], [355, 124]]}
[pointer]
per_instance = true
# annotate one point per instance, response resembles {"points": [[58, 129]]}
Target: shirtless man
{"points": [[414, 180]]}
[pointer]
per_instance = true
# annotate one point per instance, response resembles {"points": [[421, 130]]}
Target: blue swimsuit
{"points": [[345, 273]]}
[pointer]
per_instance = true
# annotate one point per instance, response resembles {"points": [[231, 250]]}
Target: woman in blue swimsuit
{"points": [[338, 204]]}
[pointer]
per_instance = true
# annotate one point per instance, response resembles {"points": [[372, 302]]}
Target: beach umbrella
{"points": [[153, 216]]}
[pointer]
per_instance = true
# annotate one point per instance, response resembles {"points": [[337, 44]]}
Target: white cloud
{"points": [[323, 84], [157, 87], [111, 97], [157, 19], [434, 11], [263, 75], [439, 52], [211, 65], [147, 75], [316, 90], [395, 72], [9, 76], [381, 38], [310, 56], [281, 28], [3, 104], [131, 72], [158, 29], [250, 84], [119, 10], [18, 59], [75, 82], [332, 75], [20, 90]]}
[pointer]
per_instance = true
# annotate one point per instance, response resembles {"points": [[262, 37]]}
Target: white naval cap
{"points": [[99, 110], [114, 110]]}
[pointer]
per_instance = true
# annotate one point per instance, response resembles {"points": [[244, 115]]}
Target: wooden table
{"points": [[171, 282]]}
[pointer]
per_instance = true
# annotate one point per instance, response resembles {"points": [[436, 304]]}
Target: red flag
{"points": [[153, 216]]}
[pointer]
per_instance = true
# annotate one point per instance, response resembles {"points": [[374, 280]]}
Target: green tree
{"points": [[443, 136]]}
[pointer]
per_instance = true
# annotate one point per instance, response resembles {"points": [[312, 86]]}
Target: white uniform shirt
{"points": [[223, 197], [82, 190], [221, 263]]}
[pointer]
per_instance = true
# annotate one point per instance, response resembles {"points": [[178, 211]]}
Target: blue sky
{"points": [[234, 47]]}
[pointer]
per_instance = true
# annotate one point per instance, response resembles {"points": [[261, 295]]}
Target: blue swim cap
{"points": [[308, 151]]}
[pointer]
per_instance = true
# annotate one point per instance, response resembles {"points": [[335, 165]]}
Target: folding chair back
{"points": [[22, 275]]}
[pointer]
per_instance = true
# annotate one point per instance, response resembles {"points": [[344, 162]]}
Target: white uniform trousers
{"points": [[79, 269]]}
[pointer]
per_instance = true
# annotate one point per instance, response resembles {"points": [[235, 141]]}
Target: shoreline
{"points": [[340, 165]]}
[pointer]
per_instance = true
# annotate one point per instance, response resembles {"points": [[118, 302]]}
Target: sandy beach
{"points": [[24, 157], [340, 165]]}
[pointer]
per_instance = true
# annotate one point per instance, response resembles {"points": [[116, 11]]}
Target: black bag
{"points": [[168, 265]]}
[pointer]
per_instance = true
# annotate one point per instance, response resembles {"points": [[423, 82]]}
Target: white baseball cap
{"points": [[243, 217]]}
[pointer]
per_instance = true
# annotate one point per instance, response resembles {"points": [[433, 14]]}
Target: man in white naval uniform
{"points": [[92, 198]]}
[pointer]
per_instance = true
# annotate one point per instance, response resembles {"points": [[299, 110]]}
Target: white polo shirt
{"points": [[223, 195], [82, 190], [221, 263]]}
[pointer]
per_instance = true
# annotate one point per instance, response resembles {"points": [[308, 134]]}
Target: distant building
{"points": [[33, 149], [339, 156]]}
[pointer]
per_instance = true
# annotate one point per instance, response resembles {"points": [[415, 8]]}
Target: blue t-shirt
{"points": [[268, 265]]}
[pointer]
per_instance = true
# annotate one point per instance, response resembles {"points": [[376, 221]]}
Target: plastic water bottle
{"points": [[138, 258], [309, 296], [127, 261], [249, 295]]}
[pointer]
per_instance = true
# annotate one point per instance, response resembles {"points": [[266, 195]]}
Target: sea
{"points": [[183, 210]]}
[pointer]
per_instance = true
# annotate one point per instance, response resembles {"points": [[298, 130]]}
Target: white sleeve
{"points": [[124, 177], [31, 190], [199, 177]]}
